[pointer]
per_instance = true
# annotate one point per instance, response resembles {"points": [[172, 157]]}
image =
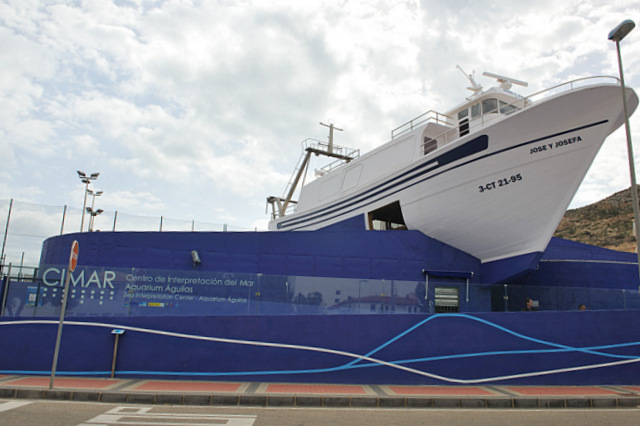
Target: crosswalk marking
{"points": [[6, 406], [143, 415]]}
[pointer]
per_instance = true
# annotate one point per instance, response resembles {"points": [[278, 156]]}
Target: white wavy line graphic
{"points": [[324, 350]]}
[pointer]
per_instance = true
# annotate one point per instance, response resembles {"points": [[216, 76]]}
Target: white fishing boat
{"points": [[492, 177]]}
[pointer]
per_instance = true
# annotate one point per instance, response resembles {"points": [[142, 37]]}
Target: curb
{"points": [[307, 401]]}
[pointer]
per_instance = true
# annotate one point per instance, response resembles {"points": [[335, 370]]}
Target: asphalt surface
{"points": [[177, 392]]}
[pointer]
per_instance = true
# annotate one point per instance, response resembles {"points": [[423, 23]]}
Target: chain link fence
{"points": [[25, 226]]}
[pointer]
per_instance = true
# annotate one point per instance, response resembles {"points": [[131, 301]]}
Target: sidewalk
{"points": [[141, 391]]}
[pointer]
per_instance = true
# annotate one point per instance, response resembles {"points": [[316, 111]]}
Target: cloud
{"points": [[196, 110]]}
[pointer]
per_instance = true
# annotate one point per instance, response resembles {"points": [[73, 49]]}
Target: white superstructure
{"points": [[492, 177]]}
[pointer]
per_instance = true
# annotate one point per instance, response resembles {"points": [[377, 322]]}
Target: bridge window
{"points": [[489, 106], [507, 109], [475, 110]]}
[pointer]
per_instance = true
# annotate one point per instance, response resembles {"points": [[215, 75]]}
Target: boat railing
{"points": [[570, 85], [447, 136], [307, 143], [327, 147], [429, 116], [342, 154], [282, 206], [524, 102]]}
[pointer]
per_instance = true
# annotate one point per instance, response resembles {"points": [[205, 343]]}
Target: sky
{"points": [[195, 110]]}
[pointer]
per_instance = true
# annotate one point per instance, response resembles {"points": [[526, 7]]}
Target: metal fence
{"points": [[25, 226]]}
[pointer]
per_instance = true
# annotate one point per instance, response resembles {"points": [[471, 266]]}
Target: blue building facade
{"points": [[332, 306]]}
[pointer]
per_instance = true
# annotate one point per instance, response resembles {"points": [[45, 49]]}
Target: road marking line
{"points": [[142, 415], [13, 404]]}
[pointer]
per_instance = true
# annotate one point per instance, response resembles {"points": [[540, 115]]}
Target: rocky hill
{"points": [[607, 223]]}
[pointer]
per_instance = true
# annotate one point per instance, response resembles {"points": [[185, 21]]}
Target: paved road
{"points": [[69, 413]]}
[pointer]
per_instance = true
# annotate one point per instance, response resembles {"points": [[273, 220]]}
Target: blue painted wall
{"points": [[565, 275], [571, 273], [399, 255], [593, 347], [573, 264], [553, 348]]}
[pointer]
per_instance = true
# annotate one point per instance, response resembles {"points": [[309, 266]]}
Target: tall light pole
{"points": [[93, 203], [616, 35], [86, 180], [93, 215]]}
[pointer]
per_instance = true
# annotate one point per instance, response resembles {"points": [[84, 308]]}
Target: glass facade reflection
{"points": [[150, 292]]}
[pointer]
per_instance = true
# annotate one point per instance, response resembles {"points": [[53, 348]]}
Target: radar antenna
{"points": [[475, 87], [505, 82]]}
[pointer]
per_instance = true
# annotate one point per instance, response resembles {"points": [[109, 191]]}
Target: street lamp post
{"points": [[93, 202], [93, 214], [616, 35], [86, 180]]}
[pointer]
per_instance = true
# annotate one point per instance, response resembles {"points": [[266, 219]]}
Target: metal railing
{"points": [[524, 102], [429, 116], [344, 151]]}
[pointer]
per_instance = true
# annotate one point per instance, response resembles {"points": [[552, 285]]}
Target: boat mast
{"points": [[279, 205], [475, 87], [331, 127]]}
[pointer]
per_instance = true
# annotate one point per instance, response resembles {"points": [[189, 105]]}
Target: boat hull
{"points": [[498, 192]]}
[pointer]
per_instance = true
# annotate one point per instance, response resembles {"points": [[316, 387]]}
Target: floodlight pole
{"points": [[93, 203], [616, 35], [86, 180]]}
